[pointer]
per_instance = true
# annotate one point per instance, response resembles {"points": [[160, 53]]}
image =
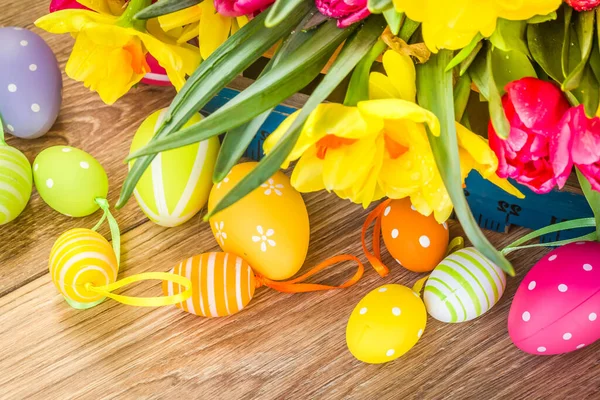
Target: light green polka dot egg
{"points": [[176, 185], [15, 183], [69, 180]]}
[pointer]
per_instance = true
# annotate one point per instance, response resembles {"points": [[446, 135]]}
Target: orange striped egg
{"points": [[222, 284], [81, 256]]}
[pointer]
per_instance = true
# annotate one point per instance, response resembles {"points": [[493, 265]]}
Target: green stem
{"points": [[358, 88], [2, 141], [592, 197], [115, 233], [127, 20]]}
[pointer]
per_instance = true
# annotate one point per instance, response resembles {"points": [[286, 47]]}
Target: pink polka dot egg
{"points": [[556, 307]]}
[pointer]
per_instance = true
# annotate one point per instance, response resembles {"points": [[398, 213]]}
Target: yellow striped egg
{"points": [[222, 284], [81, 256], [269, 227], [177, 183], [385, 324], [15, 183]]}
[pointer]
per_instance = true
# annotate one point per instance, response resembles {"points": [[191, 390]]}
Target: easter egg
{"points": [[78, 257], [463, 286], [556, 307], [177, 183], [268, 228], [385, 324], [223, 284], [416, 241], [15, 183], [30, 83], [69, 180], [157, 75]]}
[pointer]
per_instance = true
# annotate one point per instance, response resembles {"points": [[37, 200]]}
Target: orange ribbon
{"points": [[375, 257], [295, 285]]}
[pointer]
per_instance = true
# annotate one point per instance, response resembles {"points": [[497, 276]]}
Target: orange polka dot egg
{"points": [[416, 241]]}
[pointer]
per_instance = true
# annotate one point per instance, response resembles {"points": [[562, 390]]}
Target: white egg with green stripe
{"points": [[16, 182], [463, 286], [177, 183]]}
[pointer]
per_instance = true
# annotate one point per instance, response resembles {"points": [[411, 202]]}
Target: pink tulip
{"points": [[347, 12], [536, 153], [237, 8], [57, 5], [584, 141]]}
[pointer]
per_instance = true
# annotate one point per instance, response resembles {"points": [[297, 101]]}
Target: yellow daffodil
{"points": [[453, 24], [380, 147], [202, 21], [109, 55]]}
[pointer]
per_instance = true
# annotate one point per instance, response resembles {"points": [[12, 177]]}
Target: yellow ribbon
{"points": [[107, 290], [455, 244]]}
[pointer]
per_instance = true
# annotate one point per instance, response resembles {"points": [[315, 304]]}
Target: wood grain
{"points": [[283, 346]]}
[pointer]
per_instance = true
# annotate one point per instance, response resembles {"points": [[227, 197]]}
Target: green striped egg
{"points": [[177, 183], [16, 182], [463, 286]]}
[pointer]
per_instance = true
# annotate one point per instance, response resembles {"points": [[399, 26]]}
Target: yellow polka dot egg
{"points": [[15, 183], [81, 256], [176, 185], [268, 228], [385, 324]]}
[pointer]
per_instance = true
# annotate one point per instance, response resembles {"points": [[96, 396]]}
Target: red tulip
{"points": [[536, 153], [583, 5], [584, 141], [237, 8], [347, 12]]}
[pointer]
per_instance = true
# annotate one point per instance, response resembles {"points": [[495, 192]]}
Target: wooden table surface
{"points": [[283, 346]]}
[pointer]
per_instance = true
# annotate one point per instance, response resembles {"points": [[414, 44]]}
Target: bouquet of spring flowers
{"points": [[402, 133]]}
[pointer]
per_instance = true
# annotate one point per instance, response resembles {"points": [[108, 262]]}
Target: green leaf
{"points": [[289, 76], [353, 51], [280, 10], [237, 140], [509, 66], [164, 7], [584, 26], [538, 19], [594, 61], [229, 60], [510, 35], [592, 197], [588, 92], [408, 28], [497, 115], [394, 20], [466, 63], [544, 39], [358, 88], [379, 6], [462, 92], [465, 52], [566, 42], [434, 89]]}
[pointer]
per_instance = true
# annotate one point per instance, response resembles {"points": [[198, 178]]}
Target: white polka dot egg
{"points": [[385, 324], [69, 180], [30, 83], [556, 307]]}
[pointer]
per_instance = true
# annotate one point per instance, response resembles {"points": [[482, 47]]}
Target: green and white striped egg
{"points": [[177, 183], [463, 286], [16, 182]]}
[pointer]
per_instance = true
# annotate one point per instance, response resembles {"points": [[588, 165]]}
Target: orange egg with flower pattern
{"points": [[268, 228], [416, 241]]}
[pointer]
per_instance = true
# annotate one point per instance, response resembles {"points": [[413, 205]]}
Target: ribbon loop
{"points": [[419, 285], [112, 224], [107, 290], [296, 285], [375, 257]]}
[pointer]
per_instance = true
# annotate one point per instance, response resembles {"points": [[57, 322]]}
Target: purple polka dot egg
{"points": [[556, 307], [30, 83]]}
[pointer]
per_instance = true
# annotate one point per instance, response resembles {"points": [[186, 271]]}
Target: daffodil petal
{"points": [[348, 165], [214, 29], [478, 148], [180, 18], [71, 20], [402, 74], [380, 87], [400, 109], [308, 173]]}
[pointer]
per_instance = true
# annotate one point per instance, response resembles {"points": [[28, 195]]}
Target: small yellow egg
{"points": [[268, 228], [385, 324]]}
